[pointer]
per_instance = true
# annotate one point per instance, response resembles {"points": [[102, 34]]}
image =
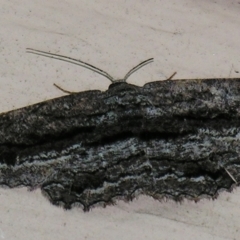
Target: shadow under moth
{"points": [[168, 139]]}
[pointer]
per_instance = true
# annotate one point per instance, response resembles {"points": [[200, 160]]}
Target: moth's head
{"points": [[118, 83]]}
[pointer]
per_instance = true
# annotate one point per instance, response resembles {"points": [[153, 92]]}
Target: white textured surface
{"points": [[198, 39]]}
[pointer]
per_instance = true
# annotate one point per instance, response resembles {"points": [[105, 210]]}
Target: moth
{"points": [[172, 139]]}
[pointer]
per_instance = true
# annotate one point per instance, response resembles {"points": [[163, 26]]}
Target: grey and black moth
{"points": [[168, 139]]}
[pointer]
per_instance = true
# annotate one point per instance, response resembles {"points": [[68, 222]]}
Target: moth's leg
{"points": [[230, 175], [170, 78], [63, 90]]}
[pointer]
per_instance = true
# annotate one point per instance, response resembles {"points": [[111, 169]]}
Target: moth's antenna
{"points": [[140, 65], [87, 65], [71, 60]]}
